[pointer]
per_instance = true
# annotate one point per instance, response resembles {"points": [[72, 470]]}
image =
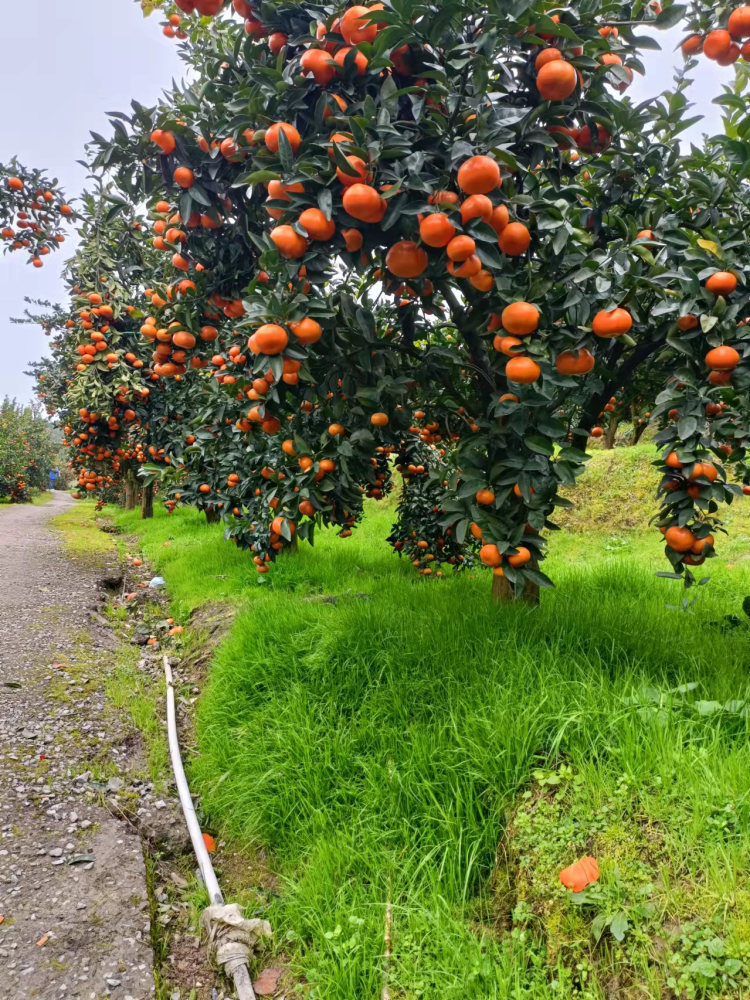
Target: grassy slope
{"points": [[379, 746]]}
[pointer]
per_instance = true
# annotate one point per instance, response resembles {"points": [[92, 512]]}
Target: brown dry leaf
{"points": [[266, 983]]}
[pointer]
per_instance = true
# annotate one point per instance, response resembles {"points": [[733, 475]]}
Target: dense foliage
{"points": [[27, 451], [437, 239]]}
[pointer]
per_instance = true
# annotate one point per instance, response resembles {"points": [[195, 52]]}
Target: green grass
{"points": [[38, 499], [77, 530], [409, 747]]}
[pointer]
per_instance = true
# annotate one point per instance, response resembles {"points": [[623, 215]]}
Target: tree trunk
{"points": [[213, 516], [147, 502], [609, 437], [131, 491], [503, 592], [638, 430]]}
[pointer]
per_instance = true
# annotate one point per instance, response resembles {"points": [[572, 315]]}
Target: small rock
{"points": [[56, 852], [115, 785]]}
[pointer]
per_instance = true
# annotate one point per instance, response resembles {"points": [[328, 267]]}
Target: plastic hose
{"points": [[241, 975]]}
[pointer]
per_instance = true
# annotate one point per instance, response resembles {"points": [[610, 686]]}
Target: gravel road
{"points": [[74, 913]]}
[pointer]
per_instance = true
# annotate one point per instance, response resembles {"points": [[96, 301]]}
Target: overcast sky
{"points": [[74, 61]]}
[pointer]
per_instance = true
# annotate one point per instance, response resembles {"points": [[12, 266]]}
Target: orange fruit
{"points": [[546, 56], [360, 59], [522, 370], [353, 239], [500, 218], [406, 260], [520, 318], [289, 243], [460, 248], [687, 322], [716, 44], [272, 136], [556, 80], [479, 175], [739, 22], [490, 555], [184, 177], [507, 345], [317, 225], [355, 28], [307, 331], [483, 280], [594, 142], [521, 557], [436, 230], [575, 362], [468, 268], [270, 339], [679, 539], [613, 323], [691, 45], [476, 206], [722, 358], [363, 175], [364, 203], [319, 64], [514, 239], [722, 283]]}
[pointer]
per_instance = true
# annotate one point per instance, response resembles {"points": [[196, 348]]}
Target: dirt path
{"points": [[73, 897]]}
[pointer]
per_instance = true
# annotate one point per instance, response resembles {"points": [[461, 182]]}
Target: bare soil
{"points": [[73, 893]]}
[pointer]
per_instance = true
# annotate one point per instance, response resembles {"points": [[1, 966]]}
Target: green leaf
{"points": [[687, 427], [645, 42], [560, 239], [342, 162], [540, 445], [285, 152], [325, 202], [670, 17], [539, 578], [389, 95], [257, 177], [708, 707], [619, 925], [544, 25]]}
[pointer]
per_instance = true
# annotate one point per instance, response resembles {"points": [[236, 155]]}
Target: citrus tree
{"points": [[28, 451], [33, 212], [371, 213]]}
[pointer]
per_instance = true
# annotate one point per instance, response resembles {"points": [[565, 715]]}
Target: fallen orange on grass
{"points": [[580, 874]]}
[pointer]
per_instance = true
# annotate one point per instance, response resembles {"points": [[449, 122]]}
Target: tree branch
{"points": [[477, 350]]}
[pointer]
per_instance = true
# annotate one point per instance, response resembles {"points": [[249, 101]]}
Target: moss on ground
{"points": [[81, 538]]}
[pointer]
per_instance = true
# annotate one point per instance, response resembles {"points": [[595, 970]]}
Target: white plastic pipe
{"points": [[242, 980]]}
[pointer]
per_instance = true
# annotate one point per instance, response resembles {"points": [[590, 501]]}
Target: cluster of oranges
{"points": [[723, 45], [37, 225], [96, 348]]}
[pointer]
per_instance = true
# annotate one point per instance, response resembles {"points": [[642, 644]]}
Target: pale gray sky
{"points": [[83, 58], [66, 65]]}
